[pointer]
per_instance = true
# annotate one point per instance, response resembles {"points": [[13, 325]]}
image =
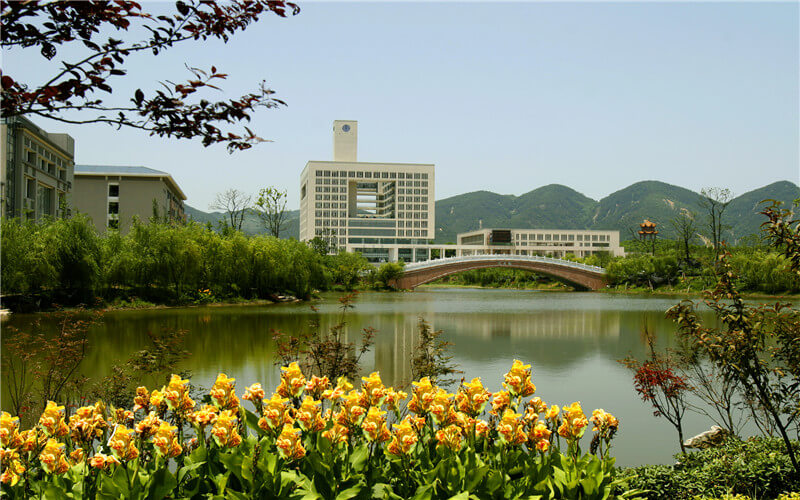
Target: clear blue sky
{"points": [[503, 97]]}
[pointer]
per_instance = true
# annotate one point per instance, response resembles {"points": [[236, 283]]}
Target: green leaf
{"points": [[162, 484], [423, 493], [350, 492], [384, 491], [464, 495], [494, 481], [358, 458], [186, 469], [475, 477]]}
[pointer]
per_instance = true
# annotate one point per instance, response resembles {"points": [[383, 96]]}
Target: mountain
{"points": [[743, 212], [251, 224]]}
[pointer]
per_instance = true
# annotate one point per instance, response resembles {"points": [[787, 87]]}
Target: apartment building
{"points": [[113, 195], [385, 211], [547, 242], [36, 170]]}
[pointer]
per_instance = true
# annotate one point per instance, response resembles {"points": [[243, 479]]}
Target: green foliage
{"points": [[757, 468], [387, 272]]}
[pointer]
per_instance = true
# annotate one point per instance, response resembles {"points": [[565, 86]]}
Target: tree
{"points": [[684, 225], [235, 204], [72, 94], [270, 207], [714, 201]]}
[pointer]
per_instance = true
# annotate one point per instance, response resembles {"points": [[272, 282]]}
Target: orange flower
{"points": [[165, 440], [422, 396], [471, 397], [100, 461], [148, 425], [404, 438], [76, 456], [518, 380], [374, 425], [540, 431], [53, 459], [316, 386], [142, 399], [53, 420], [450, 437], [177, 395], [574, 422], [352, 412], [336, 434], [275, 413], [393, 399], [500, 401], [225, 430], [121, 443], [12, 468], [511, 429], [552, 413], [604, 422], [308, 415], [342, 386], [204, 416], [289, 445], [543, 445], [442, 407], [9, 431], [222, 393], [292, 381], [373, 389], [255, 394]]}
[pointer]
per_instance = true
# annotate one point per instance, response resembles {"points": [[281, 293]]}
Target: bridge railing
{"points": [[507, 258]]}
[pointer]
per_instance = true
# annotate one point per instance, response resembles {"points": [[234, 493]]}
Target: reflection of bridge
{"points": [[580, 275]]}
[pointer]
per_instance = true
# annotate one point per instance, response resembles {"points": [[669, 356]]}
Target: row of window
{"points": [[48, 155], [337, 222], [370, 175], [564, 237], [328, 189]]}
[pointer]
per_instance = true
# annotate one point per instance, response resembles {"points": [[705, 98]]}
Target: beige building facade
{"points": [[112, 195], [545, 242], [36, 170], [385, 211]]}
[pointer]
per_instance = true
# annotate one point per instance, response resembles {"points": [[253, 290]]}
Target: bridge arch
{"points": [[580, 275]]}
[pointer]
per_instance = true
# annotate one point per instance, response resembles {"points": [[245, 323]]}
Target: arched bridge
{"points": [[581, 275]]}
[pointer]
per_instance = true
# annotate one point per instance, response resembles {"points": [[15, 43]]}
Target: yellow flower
{"points": [[204, 416], [336, 434], [156, 398], [9, 431], [511, 428], [374, 425], [316, 386], [342, 386], [76, 456], [177, 395], [574, 422], [87, 423], [53, 459], [540, 431], [393, 399], [121, 444], [500, 401], [604, 422], [442, 407], [450, 437], [30, 439], [537, 405], [352, 411], [552, 413], [422, 396], [292, 381], [481, 428], [101, 461], [373, 389], [165, 440], [255, 394], [404, 438], [148, 425], [518, 380], [308, 415], [53, 420], [275, 413], [12, 467], [225, 430], [142, 399], [222, 393], [471, 397], [543, 445], [289, 445]]}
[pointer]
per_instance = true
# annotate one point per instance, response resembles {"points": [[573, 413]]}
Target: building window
{"points": [[113, 190], [113, 208], [113, 223], [30, 188]]}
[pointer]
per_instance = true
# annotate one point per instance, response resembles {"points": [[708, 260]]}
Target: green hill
{"points": [[251, 224], [743, 212]]}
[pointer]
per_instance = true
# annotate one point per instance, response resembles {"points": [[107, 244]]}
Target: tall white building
{"points": [[385, 211]]}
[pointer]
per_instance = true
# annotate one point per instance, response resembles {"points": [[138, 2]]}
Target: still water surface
{"points": [[572, 340]]}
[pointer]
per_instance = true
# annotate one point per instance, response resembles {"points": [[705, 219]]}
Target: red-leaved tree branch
{"points": [[76, 91]]}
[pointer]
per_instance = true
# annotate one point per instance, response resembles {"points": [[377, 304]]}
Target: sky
{"points": [[504, 97]]}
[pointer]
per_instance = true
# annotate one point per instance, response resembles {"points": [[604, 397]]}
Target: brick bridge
{"points": [[580, 275]]}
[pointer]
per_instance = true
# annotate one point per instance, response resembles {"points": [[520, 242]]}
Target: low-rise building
{"points": [[36, 170], [113, 195], [546, 242]]}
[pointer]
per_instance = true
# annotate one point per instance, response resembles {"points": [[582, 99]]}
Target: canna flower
{"points": [[225, 430], [374, 425], [393, 399], [77, 456], [511, 428], [450, 437], [142, 399], [204, 416], [165, 440], [552, 413], [316, 386], [101, 461], [289, 445], [481, 428], [352, 412], [471, 397], [121, 444], [540, 431], [308, 415], [543, 445], [404, 439], [52, 457], [292, 381], [148, 425], [604, 422], [574, 422], [373, 389], [121, 416], [176, 395], [275, 413], [537, 405], [442, 408], [30, 440], [422, 396], [254, 394], [500, 401], [88, 423], [9, 431], [12, 468], [342, 386], [52, 420], [518, 380], [157, 399], [222, 393], [336, 434]]}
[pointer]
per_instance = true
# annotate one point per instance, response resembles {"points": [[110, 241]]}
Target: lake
{"points": [[573, 341]]}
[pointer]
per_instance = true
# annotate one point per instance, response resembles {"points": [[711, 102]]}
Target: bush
{"points": [[757, 468]]}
